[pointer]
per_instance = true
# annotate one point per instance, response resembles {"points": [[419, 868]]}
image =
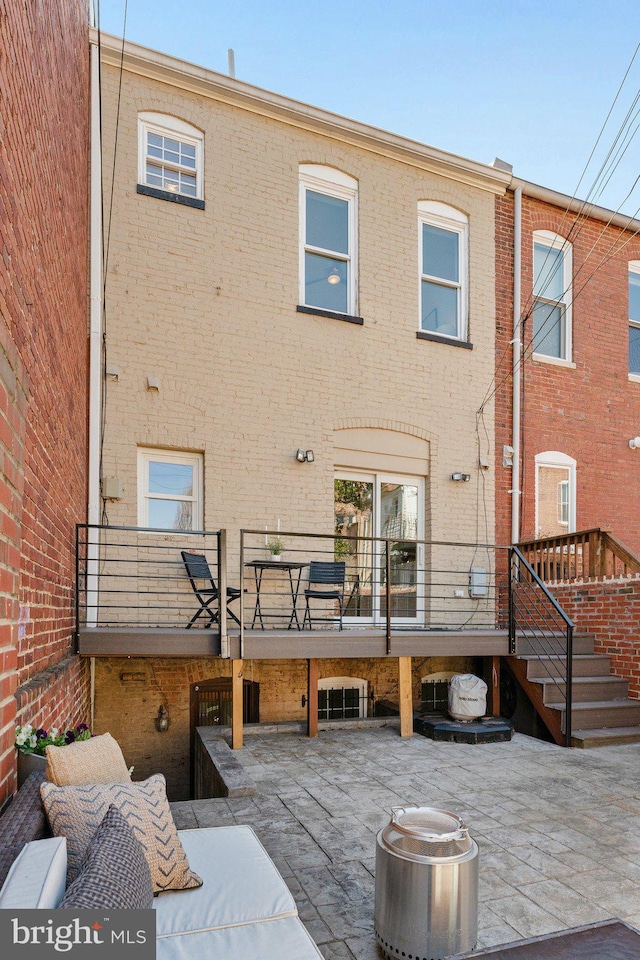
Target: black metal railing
{"points": [[136, 577], [538, 626]]}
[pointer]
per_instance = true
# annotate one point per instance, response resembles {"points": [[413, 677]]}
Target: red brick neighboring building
{"points": [[585, 403], [44, 128]]}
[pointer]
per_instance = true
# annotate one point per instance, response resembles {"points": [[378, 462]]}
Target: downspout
{"points": [[517, 356]]}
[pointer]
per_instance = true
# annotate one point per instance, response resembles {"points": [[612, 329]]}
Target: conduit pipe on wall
{"points": [[517, 356]]}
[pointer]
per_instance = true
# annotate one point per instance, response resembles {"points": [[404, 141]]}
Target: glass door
{"points": [[392, 508]]}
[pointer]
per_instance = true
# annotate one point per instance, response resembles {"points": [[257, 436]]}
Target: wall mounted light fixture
{"points": [[304, 456], [162, 720], [464, 477], [635, 443]]}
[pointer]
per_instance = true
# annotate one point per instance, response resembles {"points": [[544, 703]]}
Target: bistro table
{"points": [[259, 567]]}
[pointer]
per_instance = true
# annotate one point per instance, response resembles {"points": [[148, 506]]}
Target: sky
{"points": [[529, 82]]}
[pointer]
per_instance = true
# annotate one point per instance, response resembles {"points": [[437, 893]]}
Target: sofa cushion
{"points": [[98, 760], [285, 938], [241, 884], [76, 813], [115, 874], [37, 877]]}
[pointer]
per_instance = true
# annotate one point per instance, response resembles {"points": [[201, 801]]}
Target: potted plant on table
{"points": [[275, 546], [32, 744]]}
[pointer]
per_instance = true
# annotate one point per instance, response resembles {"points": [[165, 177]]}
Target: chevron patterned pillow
{"points": [[115, 874], [77, 812]]}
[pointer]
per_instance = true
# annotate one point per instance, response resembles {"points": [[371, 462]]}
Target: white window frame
{"points": [[634, 267], [553, 241], [564, 499], [183, 458], [559, 461], [332, 183], [351, 683], [436, 214], [165, 125]]}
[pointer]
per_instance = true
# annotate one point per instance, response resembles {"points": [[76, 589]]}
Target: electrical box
{"points": [[112, 488], [478, 582]]}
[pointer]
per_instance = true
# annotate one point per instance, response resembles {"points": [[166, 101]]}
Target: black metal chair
{"points": [[197, 568], [327, 573]]}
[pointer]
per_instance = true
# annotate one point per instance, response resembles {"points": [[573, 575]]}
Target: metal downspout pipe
{"points": [[516, 361]]}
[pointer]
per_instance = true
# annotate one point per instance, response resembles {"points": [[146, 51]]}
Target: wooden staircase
{"points": [[602, 714]]}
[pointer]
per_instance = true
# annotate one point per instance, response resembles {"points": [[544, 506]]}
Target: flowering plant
{"points": [[29, 740]]}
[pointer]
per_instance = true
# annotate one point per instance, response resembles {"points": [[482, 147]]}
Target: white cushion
{"points": [[286, 939], [240, 884], [37, 876]]}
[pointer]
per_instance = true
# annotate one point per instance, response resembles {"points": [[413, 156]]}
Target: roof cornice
{"points": [[575, 205], [216, 86]]}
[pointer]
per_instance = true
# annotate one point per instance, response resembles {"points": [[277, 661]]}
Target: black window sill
{"points": [[332, 314], [437, 338], [168, 195]]}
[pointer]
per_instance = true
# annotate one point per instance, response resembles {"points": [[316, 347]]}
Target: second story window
{"points": [[551, 296], [169, 489], [328, 261], [443, 270], [634, 318], [170, 158]]}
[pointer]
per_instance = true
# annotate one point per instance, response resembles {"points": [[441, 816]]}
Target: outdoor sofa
{"points": [[243, 909]]}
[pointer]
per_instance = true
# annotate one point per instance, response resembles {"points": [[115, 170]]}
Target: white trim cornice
{"points": [[216, 86]]}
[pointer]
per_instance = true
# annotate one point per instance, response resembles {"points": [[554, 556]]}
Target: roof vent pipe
{"points": [[231, 59]]}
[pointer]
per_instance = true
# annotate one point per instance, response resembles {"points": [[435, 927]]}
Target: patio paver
{"points": [[558, 830]]}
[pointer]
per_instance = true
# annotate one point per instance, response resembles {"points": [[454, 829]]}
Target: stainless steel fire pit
{"points": [[426, 885]]}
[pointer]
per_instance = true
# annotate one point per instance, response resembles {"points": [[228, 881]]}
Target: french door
{"points": [[391, 507]]}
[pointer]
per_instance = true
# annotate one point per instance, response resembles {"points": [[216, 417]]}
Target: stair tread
{"points": [[598, 705], [605, 678], [603, 733]]}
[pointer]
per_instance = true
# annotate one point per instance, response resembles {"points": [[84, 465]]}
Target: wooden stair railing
{"points": [[585, 555]]}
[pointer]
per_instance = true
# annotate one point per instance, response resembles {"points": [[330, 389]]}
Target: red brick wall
{"points": [[611, 612], [44, 75], [589, 412]]}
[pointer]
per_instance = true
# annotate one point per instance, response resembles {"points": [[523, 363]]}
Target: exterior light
{"points": [[334, 276], [635, 443], [162, 720], [305, 456], [464, 477]]}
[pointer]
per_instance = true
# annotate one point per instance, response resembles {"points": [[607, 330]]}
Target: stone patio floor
{"points": [[558, 830]]}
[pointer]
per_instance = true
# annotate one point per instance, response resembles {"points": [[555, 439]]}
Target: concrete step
{"points": [[601, 713], [585, 689], [605, 737], [584, 665], [549, 644]]}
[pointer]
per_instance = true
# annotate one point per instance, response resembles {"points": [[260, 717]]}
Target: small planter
{"points": [[29, 763], [275, 557]]}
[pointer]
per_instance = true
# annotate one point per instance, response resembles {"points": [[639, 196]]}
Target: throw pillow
{"points": [[115, 874], [76, 813], [98, 760]]}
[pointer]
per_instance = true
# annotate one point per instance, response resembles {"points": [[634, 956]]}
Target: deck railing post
{"points": [[512, 608], [242, 594], [569, 685], [76, 638], [387, 562], [222, 598]]}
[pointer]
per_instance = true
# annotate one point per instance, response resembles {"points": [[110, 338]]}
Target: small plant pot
{"points": [[29, 763], [276, 557]]}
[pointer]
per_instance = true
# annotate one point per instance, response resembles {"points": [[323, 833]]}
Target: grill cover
{"points": [[467, 697]]}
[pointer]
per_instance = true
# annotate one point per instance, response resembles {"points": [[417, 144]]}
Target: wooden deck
{"points": [[290, 644]]}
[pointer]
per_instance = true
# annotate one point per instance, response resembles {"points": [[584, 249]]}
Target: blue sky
{"points": [[530, 82]]}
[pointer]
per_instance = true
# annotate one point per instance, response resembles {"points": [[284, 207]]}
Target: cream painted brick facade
{"points": [[205, 300]]}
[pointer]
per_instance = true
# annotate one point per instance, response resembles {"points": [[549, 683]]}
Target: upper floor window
{"points": [[170, 157], [443, 270], [555, 502], [328, 264], [551, 295], [169, 490], [634, 317]]}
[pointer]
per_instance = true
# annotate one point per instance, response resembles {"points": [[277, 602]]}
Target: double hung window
{"points": [[443, 270], [170, 156], [634, 318], [551, 296], [328, 262], [169, 490]]}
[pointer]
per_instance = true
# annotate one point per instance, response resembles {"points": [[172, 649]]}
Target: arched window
{"points": [[328, 235], [634, 319], [555, 494], [552, 272], [170, 159], [443, 241], [341, 698]]}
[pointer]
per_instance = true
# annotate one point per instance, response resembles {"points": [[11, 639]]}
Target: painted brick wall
{"points": [[611, 612], [589, 410], [43, 360]]}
